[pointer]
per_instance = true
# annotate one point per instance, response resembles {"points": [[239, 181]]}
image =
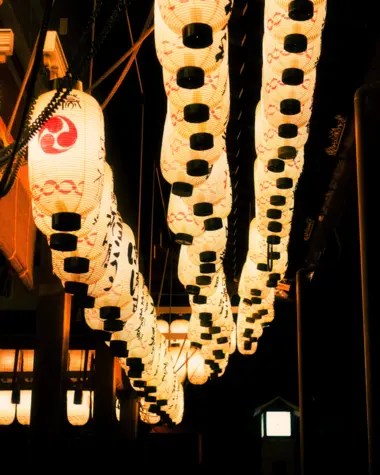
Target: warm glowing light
{"points": [[7, 409], [196, 371], [278, 424], [24, 408], [79, 414]]}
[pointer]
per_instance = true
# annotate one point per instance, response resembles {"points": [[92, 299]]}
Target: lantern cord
{"points": [[163, 278], [92, 45], [32, 81], [130, 62], [151, 230], [163, 202], [133, 42], [180, 353], [122, 59], [187, 360], [140, 180]]}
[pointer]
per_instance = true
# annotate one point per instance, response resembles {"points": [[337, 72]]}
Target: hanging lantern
{"points": [[179, 326], [288, 111], [162, 326], [182, 89], [7, 409], [288, 84], [86, 265], [175, 57], [198, 118], [190, 275], [123, 287], [216, 188], [179, 357], [211, 242], [255, 283], [199, 258], [66, 161], [276, 54], [196, 371], [285, 139], [300, 10], [195, 18], [267, 186], [145, 415], [198, 152], [176, 174], [278, 23], [182, 222], [79, 414], [24, 407]]}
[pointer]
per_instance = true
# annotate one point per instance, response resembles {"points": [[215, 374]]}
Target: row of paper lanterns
{"points": [[191, 41], [291, 49], [93, 252]]}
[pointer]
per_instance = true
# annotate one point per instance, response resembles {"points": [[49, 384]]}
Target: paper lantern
{"points": [[7, 409], [66, 160], [269, 186], [91, 252], [200, 118], [162, 326], [78, 414], [24, 407], [211, 242], [180, 325], [278, 23], [204, 258], [124, 285], [287, 84], [179, 358], [246, 346], [196, 371], [182, 222], [146, 416], [190, 275], [254, 283], [216, 188], [198, 152], [279, 139], [181, 15], [174, 56], [176, 172], [300, 10], [183, 89], [279, 59], [288, 111]]}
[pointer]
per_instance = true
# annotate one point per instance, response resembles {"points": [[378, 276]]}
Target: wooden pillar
{"points": [[50, 358], [105, 392]]}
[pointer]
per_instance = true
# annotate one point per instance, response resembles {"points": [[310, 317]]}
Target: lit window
{"points": [[278, 424]]}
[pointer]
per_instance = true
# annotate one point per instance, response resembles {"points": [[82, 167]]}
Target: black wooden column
{"points": [[50, 357]]}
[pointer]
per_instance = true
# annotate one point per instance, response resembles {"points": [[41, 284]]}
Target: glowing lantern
{"points": [[7, 409], [162, 326], [24, 407], [209, 93], [254, 283], [216, 188], [269, 186], [182, 222], [198, 152], [279, 59], [286, 136], [196, 371], [86, 264], [300, 10], [79, 414], [199, 258], [175, 57], [66, 161], [278, 24], [93, 319], [211, 242], [124, 285], [179, 357], [193, 16], [180, 326], [288, 111], [146, 416], [200, 118], [287, 84], [190, 275]]}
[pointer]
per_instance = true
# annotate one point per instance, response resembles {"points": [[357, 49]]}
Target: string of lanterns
{"points": [[191, 39], [291, 48], [94, 253]]}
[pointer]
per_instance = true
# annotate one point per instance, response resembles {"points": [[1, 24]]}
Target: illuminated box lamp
{"points": [[6, 43]]}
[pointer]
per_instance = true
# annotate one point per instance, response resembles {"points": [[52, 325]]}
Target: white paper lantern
{"points": [[233, 341], [179, 357], [199, 118], [177, 14], [297, 85], [199, 258], [174, 55], [162, 326], [297, 112], [182, 222], [78, 414], [278, 24], [210, 92], [146, 416], [190, 275], [196, 371], [279, 59], [66, 160], [211, 241], [267, 185]]}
